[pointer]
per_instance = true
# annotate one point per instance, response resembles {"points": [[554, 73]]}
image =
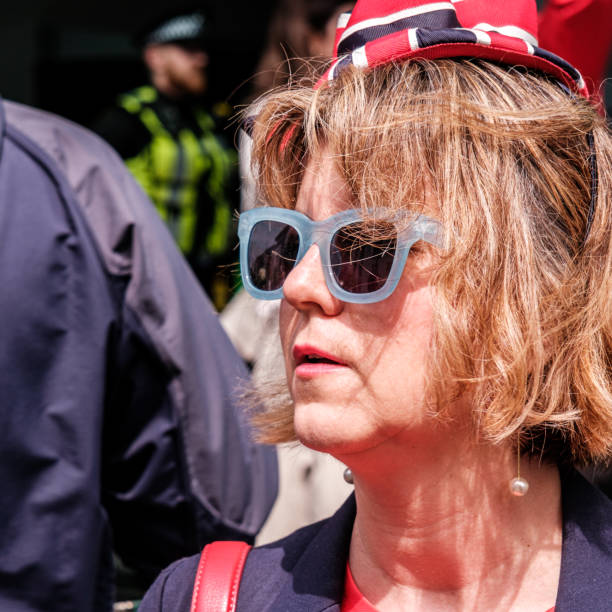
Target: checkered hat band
{"points": [[183, 27]]}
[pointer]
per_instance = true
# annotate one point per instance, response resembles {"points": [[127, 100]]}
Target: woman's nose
{"points": [[305, 287]]}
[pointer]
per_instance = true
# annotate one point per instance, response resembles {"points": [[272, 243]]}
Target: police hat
{"points": [[186, 24]]}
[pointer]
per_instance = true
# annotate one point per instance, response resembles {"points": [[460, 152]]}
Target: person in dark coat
{"points": [[439, 232], [120, 423]]}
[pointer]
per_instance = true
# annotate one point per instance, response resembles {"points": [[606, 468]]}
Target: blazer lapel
{"points": [[585, 583], [316, 582]]}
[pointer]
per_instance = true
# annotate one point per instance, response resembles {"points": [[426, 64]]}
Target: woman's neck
{"points": [[449, 535]]}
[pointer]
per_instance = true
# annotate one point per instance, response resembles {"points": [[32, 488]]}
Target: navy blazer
{"points": [[305, 571]]}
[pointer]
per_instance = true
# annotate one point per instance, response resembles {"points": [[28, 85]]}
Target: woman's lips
{"points": [[311, 361]]}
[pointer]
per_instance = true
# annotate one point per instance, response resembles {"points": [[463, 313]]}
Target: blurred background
{"points": [[73, 57]]}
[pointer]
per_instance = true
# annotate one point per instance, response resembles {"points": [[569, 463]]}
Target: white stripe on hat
{"points": [[412, 39], [343, 19], [509, 30], [481, 37], [332, 70], [410, 12], [359, 57]]}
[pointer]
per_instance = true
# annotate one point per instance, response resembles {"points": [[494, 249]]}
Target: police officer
{"points": [[172, 145]]}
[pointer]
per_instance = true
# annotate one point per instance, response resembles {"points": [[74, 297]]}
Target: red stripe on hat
{"points": [[518, 13], [374, 9], [392, 47]]}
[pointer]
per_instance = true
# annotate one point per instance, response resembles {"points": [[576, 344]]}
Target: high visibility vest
{"points": [[183, 174]]}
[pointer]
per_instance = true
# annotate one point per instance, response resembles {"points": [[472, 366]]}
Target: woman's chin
{"points": [[328, 429]]}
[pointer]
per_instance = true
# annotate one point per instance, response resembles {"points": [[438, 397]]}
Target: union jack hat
{"points": [[505, 31]]}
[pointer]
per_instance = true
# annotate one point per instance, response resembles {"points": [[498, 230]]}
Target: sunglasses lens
{"points": [[273, 249], [362, 256]]}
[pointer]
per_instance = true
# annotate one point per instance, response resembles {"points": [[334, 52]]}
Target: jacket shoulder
{"points": [[292, 545], [173, 588], [60, 138], [263, 573], [105, 192], [586, 560], [301, 572]]}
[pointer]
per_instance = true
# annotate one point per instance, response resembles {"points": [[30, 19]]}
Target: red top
{"points": [[354, 601]]}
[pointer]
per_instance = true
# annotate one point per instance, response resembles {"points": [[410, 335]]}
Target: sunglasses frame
{"points": [[321, 233]]}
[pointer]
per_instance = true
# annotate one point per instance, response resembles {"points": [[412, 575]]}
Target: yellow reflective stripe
{"points": [[130, 103], [139, 167], [217, 240], [147, 93], [133, 101], [162, 162], [205, 121], [221, 165], [157, 166], [187, 222], [152, 122], [218, 237], [195, 164]]}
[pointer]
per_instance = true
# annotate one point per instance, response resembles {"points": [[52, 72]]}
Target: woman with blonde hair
{"points": [[439, 230]]}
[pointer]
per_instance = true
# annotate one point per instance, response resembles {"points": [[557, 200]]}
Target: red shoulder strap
{"points": [[218, 577]]}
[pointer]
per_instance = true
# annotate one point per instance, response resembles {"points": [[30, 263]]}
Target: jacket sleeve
{"points": [[579, 31], [56, 313], [179, 467]]}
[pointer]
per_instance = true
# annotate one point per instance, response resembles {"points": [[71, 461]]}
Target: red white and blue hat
{"points": [[505, 31]]}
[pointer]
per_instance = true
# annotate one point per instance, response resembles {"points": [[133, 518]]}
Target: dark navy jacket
{"points": [[305, 572], [118, 413]]}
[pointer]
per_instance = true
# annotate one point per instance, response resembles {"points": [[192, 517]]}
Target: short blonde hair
{"points": [[522, 292]]}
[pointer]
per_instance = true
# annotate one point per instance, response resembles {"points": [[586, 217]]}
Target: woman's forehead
{"points": [[323, 191]]}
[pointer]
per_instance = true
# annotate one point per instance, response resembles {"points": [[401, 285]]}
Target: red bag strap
{"points": [[218, 577]]}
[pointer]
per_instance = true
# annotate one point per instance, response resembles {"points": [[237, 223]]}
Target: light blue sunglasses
{"points": [[358, 266]]}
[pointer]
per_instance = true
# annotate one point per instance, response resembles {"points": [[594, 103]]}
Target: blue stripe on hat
{"points": [[427, 38], [436, 20]]}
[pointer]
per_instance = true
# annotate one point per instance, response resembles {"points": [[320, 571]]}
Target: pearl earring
{"points": [[348, 475], [518, 486]]}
